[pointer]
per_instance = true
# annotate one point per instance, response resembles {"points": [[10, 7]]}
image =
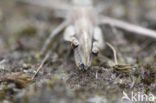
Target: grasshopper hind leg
{"points": [[53, 36]]}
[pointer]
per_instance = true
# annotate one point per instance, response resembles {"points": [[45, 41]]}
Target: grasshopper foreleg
{"points": [[98, 42], [69, 35]]}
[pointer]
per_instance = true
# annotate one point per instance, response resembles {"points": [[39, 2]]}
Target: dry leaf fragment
{"points": [[123, 68], [19, 78]]}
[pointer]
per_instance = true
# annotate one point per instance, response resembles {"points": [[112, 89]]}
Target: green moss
{"points": [[139, 62], [29, 58], [1, 28], [2, 92], [137, 80], [4, 89], [95, 63], [154, 59], [1, 95], [149, 66], [112, 96], [27, 30], [37, 56], [100, 70]]}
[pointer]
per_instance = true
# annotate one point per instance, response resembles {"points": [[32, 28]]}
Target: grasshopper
{"points": [[84, 33], [82, 29]]}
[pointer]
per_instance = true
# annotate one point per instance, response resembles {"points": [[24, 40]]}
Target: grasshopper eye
{"points": [[74, 43]]}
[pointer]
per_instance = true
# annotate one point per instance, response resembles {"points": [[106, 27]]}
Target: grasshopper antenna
{"points": [[42, 63], [114, 53]]}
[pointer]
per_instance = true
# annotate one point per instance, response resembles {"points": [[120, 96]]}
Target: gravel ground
{"points": [[23, 30]]}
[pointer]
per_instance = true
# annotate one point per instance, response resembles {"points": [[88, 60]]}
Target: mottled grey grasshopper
{"points": [[83, 31]]}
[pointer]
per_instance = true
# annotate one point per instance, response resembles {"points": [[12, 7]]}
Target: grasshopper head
{"points": [[82, 53]]}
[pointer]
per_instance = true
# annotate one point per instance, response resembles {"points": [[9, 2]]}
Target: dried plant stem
{"points": [[127, 26], [51, 4], [114, 53]]}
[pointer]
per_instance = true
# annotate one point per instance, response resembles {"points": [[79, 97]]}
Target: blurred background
{"points": [[32, 24]]}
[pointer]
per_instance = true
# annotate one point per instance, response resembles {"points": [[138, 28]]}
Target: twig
{"points": [[42, 63], [51, 4], [96, 75], [53, 34], [114, 52], [127, 26], [2, 61]]}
